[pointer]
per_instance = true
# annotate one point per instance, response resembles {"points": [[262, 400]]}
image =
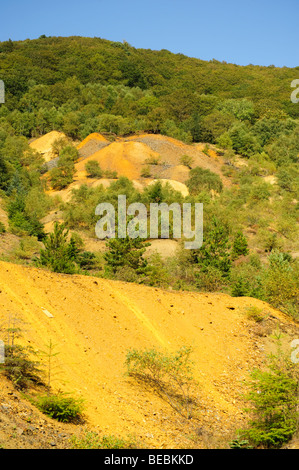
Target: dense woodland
{"points": [[84, 85]]}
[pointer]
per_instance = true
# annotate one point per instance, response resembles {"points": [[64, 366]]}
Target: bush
{"points": [[19, 368], [110, 174], [126, 253], [170, 375], [210, 280], [254, 313], [62, 175], [60, 407], [153, 160], [27, 249], [187, 161], [145, 172], [273, 395], [201, 179], [241, 287], [240, 246], [215, 251], [280, 281], [93, 169]]}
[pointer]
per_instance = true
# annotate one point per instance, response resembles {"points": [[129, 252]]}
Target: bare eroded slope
{"points": [[96, 321]]}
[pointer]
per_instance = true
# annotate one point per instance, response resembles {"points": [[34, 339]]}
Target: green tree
{"points": [[240, 246], [215, 250], [62, 175], [273, 396], [59, 254], [126, 252]]}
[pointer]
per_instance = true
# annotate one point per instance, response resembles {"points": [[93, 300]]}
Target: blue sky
{"points": [[259, 32]]}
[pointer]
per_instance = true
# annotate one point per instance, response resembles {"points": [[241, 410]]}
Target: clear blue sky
{"points": [[262, 32]]}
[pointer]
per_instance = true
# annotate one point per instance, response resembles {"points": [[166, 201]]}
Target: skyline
{"points": [[262, 33]]}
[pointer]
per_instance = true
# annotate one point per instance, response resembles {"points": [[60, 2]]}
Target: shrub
{"points": [[145, 172], [280, 281], [255, 313], [241, 287], [201, 179], [210, 280], [111, 174], [153, 160], [27, 249], [240, 246], [187, 161], [126, 274], [273, 395], [170, 375], [18, 366], [126, 252], [59, 144], [93, 169], [62, 175], [60, 407], [215, 250]]}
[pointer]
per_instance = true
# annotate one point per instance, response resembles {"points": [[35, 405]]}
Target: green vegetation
{"points": [[82, 85], [170, 375], [64, 254], [19, 366], [61, 407], [126, 253], [203, 180], [92, 440], [187, 161], [273, 396], [93, 169]]}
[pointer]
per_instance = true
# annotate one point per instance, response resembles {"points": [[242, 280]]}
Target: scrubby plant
{"points": [[169, 374], [215, 250], [93, 169], [240, 246], [62, 175], [126, 252], [187, 161], [146, 172], [152, 160], [280, 281], [273, 398], [203, 179], [255, 313], [61, 407], [19, 366]]}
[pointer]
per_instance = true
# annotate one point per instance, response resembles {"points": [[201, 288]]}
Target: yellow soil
{"points": [[93, 136], [96, 321], [44, 144], [165, 248], [126, 158]]}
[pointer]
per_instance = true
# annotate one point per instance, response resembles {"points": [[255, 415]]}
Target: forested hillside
{"points": [[80, 86], [86, 120]]}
